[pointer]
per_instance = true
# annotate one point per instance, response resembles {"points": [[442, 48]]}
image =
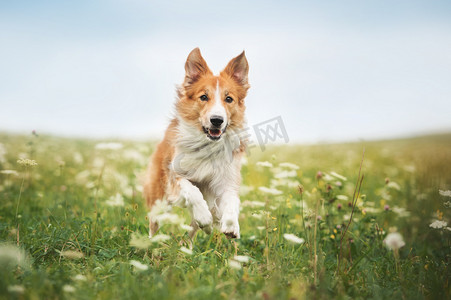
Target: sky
{"points": [[332, 70]]}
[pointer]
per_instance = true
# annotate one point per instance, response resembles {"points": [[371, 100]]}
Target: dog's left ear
{"points": [[238, 68]]}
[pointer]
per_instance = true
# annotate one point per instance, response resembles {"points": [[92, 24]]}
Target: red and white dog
{"points": [[197, 165]]}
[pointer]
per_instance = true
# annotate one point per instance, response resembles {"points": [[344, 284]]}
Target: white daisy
{"points": [[336, 175], [68, 288], [160, 238], [138, 265], [241, 258], [18, 289], [266, 164], [234, 264], [445, 193], [293, 238], [270, 191], [438, 224]]}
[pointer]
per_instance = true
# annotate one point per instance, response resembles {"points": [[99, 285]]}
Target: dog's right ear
{"points": [[195, 66]]}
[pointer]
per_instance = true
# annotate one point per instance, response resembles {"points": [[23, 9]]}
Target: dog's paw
{"points": [[230, 226], [204, 219]]}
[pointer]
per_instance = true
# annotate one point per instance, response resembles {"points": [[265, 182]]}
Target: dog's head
{"points": [[212, 103]]}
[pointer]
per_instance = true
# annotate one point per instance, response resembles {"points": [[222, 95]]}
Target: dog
{"points": [[197, 164]]}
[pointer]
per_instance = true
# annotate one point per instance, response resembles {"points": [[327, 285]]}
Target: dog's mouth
{"points": [[214, 134]]}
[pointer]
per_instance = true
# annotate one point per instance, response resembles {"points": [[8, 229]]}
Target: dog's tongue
{"points": [[215, 132]]}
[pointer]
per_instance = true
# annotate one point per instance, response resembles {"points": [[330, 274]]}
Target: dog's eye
{"points": [[229, 99], [204, 98]]}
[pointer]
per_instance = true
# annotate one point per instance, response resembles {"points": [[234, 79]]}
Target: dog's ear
{"points": [[195, 66], [238, 68]]}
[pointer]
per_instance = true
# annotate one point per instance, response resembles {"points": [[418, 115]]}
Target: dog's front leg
{"points": [[229, 207], [193, 199]]}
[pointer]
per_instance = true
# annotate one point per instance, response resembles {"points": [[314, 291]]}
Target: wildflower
{"points": [[266, 164], [186, 250], [80, 277], [387, 180], [339, 183], [27, 162], [394, 185], [447, 204], [261, 227], [438, 224], [339, 206], [158, 208], [18, 289], [234, 264], [270, 191], [9, 172], [386, 207], [116, 200], [68, 288], [274, 229], [445, 193], [401, 211], [78, 158], [241, 258], [342, 197], [139, 241], [72, 254], [167, 218], [289, 165], [138, 265], [160, 238], [293, 238], [301, 189], [319, 175], [341, 177], [186, 227], [109, 146], [394, 241], [318, 218], [332, 236]]}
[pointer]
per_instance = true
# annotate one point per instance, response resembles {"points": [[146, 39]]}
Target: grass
{"points": [[74, 225]]}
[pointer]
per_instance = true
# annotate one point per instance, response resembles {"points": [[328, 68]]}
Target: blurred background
{"points": [[334, 70]]}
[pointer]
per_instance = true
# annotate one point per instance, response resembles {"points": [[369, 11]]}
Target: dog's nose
{"points": [[216, 120]]}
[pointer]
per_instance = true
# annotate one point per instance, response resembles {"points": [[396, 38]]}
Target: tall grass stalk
{"points": [[315, 255], [355, 197], [20, 195]]}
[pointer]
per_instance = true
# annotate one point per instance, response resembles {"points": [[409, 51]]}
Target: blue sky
{"points": [[334, 70]]}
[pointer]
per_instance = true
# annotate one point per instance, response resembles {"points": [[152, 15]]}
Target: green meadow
{"points": [[73, 224]]}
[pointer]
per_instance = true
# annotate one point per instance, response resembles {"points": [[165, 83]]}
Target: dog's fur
{"points": [[197, 165]]}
